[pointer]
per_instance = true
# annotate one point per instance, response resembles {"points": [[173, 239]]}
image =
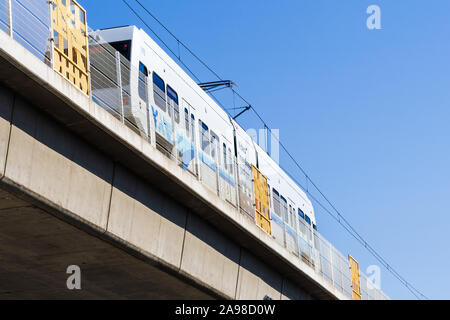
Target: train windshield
{"points": [[124, 47]]}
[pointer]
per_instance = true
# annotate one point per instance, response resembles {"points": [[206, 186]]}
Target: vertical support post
{"points": [[149, 134], [152, 127], [147, 106], [217, 175], [296, 234], [51, 39], [199, 161], [88, 57], [331, 265], [119, 87], [236, 184], [152, 124], [9, 17], [283, 217], [312, 246]]}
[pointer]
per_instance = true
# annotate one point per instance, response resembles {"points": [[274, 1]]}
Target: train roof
{"points": [[138, 34]]}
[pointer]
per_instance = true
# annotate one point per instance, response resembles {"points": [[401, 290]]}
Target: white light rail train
{"points": [[191, 127], [187, 125]]}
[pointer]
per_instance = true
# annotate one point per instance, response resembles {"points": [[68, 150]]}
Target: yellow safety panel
{"points": [[356, 283], [261, 189], [70, 54]]}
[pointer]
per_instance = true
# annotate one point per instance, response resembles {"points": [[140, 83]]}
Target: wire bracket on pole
{"points": [[216, 85], [242, 112]]}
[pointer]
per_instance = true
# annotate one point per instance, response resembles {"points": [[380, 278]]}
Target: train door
{"points": [[161, 117], [138, 114], [173, 109], [185, 138], [277, 224], [291, 228], [289, 235], [303, 238], [226, 173], [194, 139], [207, 153], [245, 185], [215, 142]]}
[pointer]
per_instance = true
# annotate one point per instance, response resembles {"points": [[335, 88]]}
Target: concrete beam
{"points": [[36, 248]]}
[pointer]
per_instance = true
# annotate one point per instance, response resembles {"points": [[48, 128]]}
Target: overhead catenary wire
{"points": [[179, 41], [338, 215], [170, 50], [160, 39]]}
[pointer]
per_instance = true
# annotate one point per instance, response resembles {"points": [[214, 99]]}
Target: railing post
{"points": [[119, 85], [236, 183], [331, 265], [9, 17], [217, 176], [147, 103], [52, 39]]}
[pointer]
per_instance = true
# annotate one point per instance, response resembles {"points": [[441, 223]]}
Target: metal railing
{"points": [[28, 22], [111, 77]]}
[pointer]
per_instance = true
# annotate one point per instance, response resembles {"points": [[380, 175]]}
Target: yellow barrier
{"points": [[356, 282], [261, 189], [70, 47]]}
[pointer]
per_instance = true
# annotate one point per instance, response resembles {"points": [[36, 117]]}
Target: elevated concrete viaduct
{"points": [[78, 187]]}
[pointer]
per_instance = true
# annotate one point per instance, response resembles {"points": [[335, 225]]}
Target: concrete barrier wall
{"points": [[54, 166], [256, 280], [210, 256], [293, 292], [145, 218]]}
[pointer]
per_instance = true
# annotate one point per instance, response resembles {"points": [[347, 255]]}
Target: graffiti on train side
{"points": [[186, 150], [162, 126]]}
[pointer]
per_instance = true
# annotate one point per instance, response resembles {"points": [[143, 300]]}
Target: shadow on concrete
{"points": [[56, 137], [259, 269]]}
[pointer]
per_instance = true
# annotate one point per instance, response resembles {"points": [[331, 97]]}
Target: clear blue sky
{"points": [[365, 112]]}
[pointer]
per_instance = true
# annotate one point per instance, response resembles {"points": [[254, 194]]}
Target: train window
{"points": [[143, 69], [204, 137], [301, 213], [193, 128], [172, 94], [230, 161], [124, 48], [289, 215], [284, 209], [225, 158], [142, 85], [172, 97], [293, 217], [186, 122], [159, 91], [158, 82], [308, 220], [276, 202], [214, 144], [314, 227]]}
